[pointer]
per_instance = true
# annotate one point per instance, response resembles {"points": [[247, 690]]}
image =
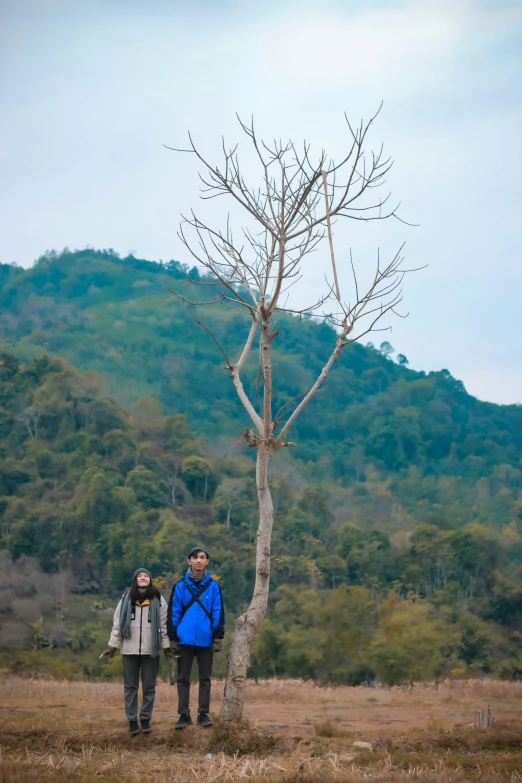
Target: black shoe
{"points": [[145, 725], [204, 720], [134, 728], [184, 721]]}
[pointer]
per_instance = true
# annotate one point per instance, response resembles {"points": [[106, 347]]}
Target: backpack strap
{"points": [[195, 599]]}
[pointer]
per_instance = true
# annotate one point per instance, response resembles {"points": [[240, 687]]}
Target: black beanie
{"points": [[197, 549]]}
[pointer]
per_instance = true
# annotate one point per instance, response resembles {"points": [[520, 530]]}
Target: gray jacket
{"points": [[140, 642]]}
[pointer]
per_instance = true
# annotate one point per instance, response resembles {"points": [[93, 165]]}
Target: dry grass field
{"points": [[294, 731]]}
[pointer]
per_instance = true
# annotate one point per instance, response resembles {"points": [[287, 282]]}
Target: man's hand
{"points": [[217, 645], [170, 655], [175, 649], [110, 652]]}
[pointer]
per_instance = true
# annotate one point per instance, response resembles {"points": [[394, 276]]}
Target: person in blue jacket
{"points": [[196, 626]]}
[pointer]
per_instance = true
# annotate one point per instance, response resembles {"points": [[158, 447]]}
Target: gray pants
{"points": [[132, 665]]}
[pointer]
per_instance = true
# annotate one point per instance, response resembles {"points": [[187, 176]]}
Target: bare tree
{"points": [[288, 214], [231, 491], [170, 471], [30, 417]]}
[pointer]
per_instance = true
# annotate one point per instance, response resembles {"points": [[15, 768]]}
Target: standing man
{"points": [[196, 626]]}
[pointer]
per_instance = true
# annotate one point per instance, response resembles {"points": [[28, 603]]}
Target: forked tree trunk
{"points": [[249, 622]]}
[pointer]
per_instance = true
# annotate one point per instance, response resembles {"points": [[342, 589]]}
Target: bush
{"points": [[327, 729], [34, 662], [14, 635], [510, 669], [359, 674]]}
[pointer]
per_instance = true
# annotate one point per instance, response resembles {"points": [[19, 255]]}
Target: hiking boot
{"points": [[134, 728], [145, 725], [204, 720], [184, 721]]}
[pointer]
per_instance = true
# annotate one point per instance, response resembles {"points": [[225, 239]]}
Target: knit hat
{"points": [[197, 549], [141, 571]]}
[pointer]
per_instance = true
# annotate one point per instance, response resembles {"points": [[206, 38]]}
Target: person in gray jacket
{"points": [[140, 631]]}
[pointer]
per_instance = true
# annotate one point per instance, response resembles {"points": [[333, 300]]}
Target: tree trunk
{"points": [[249, 622]]}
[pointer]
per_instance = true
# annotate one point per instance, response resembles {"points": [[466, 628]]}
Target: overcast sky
{"points": [[92, 89]]}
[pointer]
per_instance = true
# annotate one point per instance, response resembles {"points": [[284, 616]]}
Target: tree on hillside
{"points": [[289, 214], [229, 495]]}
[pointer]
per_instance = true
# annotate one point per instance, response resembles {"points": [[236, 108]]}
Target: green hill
{"points": [[422, 433], [398, 514]]}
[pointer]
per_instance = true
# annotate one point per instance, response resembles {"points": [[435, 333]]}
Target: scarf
{"points": [[125, 621], [196, 578]]}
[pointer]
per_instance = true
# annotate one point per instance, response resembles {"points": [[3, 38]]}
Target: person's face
{"points": [[143, 579], [198, 561]]}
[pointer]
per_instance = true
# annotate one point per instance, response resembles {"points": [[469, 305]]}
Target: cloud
{"points": [[329, 48]]}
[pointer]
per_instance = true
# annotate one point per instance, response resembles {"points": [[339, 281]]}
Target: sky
{"points": [[91, 90]]}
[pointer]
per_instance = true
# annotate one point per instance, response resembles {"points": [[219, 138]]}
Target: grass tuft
{"points": [[242, 738], [328, 729]]}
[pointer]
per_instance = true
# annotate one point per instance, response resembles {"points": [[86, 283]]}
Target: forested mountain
{"points": [[117, 316], [397, 547]]}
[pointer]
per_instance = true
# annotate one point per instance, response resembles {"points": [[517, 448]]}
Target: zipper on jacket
{"points": [[141, 624]]}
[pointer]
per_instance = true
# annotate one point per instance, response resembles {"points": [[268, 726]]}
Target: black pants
{"points": [[205, 657], [132, 666]]}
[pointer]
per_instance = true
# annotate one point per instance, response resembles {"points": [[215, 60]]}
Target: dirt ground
{"points": [[288, 706], [76, 731]]}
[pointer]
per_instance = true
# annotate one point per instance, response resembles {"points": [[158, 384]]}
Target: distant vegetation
{"points": [[397, 552]]}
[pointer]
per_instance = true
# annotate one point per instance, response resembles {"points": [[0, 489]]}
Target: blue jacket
{"points": [[201, 622]]}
